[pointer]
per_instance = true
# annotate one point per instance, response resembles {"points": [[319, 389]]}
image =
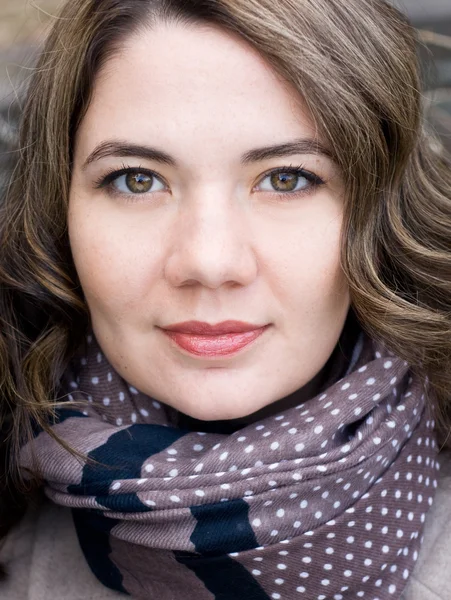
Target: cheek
{"points": [[114, 264], [309, 270]]}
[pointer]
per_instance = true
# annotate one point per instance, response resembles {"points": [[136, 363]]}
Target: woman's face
{"points": [[200, 191]]}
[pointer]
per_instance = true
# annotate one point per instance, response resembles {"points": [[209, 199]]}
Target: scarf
{"points": [[324, 501]]}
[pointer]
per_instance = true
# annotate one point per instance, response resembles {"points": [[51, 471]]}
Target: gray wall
{"points": [[426, 10]]}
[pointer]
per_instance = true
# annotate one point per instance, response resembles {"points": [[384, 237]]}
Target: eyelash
{"points": [[107, 179]]}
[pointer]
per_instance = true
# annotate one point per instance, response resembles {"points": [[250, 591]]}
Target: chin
{"points": [[216, 413]]}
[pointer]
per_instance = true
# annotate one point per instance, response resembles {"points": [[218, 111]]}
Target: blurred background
{"points": [[23, 23]]}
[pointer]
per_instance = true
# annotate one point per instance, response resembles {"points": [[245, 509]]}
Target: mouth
{"points": [[209, 341]]}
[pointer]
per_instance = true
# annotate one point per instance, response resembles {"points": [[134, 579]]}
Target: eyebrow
{"points": [[123, 149]]}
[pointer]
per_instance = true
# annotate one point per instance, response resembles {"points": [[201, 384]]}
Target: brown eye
{"points": [[289, 180], [139, 183], [284, 182], [132, 182]]}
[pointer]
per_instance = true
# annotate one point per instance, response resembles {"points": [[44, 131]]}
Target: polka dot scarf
{"points": [[325, 501]]}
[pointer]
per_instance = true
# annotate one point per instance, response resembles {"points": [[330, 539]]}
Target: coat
{"points": [[45, 562]]}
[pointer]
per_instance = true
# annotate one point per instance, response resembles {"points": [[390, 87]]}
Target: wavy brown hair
{"points": [[354, 63]]}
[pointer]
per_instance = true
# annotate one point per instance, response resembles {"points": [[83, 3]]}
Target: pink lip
{"points": [[202, 328], [223, 339]]}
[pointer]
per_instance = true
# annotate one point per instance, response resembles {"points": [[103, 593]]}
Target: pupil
{"points": [[138, 182], [284, 182]]}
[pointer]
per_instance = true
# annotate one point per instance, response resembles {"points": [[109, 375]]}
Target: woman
{"points": [[226, 301]]}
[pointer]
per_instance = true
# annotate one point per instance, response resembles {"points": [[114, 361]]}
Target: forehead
{"points": [[185, 82]]}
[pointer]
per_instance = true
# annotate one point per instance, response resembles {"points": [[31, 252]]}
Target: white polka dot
{"points": [[149, 468], [175, 499], [275, 445], [116, 485]]}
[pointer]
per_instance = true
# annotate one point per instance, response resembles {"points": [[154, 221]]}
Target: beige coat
{"points": [[46, 563]]}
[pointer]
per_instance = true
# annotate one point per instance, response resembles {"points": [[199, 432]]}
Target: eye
{"points": [[131, 181], [289, 180], [136, 182]]}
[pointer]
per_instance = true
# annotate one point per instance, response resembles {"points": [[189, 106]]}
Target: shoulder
{"points": [[431, 579], [44, 560]]}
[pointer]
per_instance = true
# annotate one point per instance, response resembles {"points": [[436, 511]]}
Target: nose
{"points": [[211, 245]]}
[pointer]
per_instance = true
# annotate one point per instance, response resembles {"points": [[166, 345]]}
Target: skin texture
{"points": [[214, 241]]}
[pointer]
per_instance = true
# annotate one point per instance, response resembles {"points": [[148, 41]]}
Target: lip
{"points": [[203, 328], [202, 340]]}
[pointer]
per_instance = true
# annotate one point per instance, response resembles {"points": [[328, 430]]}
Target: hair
{"points": [[354, 63]]}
